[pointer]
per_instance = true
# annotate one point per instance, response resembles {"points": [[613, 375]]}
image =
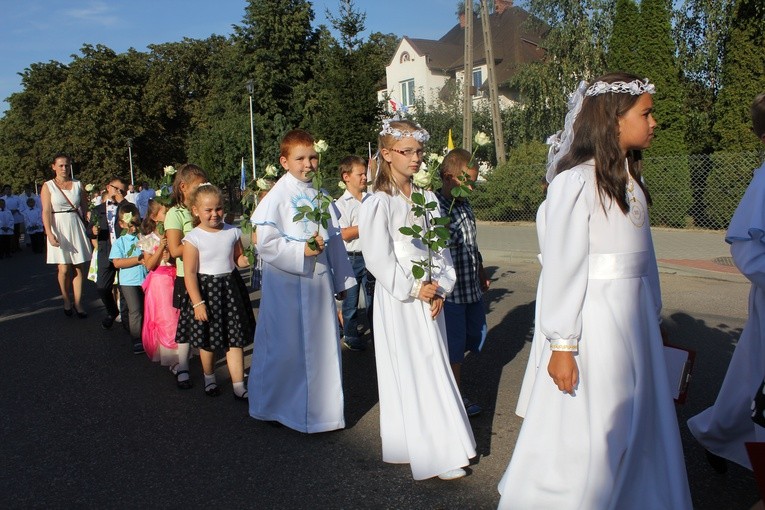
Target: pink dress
{"points": [[159, 317]]}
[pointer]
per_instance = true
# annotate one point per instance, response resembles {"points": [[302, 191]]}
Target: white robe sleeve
{"points": [[281, 252], [343, 277], [749, 257], [746, 232], [565, 261], [377, 248]]}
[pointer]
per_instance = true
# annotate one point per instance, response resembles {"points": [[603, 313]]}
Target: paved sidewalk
{"points": [[702, 253]]}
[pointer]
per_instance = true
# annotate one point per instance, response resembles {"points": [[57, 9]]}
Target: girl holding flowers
{"points": [[422, 418]]}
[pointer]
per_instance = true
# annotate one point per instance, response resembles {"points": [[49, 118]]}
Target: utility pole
{"points": [[496, 119], [467, 96]]}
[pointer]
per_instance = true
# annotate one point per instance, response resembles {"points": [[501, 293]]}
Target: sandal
{"points": [[211, 390], [184, 385], [80, 314], [243, 396]]}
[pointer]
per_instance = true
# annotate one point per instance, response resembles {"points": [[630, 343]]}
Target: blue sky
{"points": [[43, 30]]}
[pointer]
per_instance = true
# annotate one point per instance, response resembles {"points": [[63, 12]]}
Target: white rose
{"points": [[341, 185], [320, 146], [169, 170], [158, 193], [271, 171], [482, 139], [263, 184], [127, 218], [422, 178], [89, 188]]}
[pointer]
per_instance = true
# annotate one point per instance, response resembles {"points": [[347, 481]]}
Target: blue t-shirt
{"points": [[130, 276]]}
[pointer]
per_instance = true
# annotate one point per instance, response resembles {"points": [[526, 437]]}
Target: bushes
{"points": [[726, 183], [513, 191], [669, 183]]}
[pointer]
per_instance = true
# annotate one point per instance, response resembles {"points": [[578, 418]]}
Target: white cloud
{"points": [[94, 12]]}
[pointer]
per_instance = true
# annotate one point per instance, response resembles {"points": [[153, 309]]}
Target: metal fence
{"points": [[688, 191]]}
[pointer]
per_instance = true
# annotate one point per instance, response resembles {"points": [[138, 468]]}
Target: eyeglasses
{"points": [[121, 190], [408, 153]]}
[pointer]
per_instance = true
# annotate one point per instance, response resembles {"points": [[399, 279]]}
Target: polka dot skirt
{"points": [[230, 318]]}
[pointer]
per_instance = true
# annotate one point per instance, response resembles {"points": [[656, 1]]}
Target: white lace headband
{"points": [[560, 142], [419, 134], [634, 87]]}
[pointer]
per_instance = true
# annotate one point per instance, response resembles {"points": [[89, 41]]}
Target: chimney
{"points": [[462, 19], [501, 6]]}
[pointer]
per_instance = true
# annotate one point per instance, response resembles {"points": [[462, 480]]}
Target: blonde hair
{"points": [[384, 179], [203, 190]]}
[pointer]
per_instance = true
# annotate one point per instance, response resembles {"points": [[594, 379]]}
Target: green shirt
{"points": [[179, 218]]}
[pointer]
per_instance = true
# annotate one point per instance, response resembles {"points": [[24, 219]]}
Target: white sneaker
{"points": [[453, 474]]}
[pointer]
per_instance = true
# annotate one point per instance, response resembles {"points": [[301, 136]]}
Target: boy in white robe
{"points": [[33, 226], [296, 377], [726, 427]]}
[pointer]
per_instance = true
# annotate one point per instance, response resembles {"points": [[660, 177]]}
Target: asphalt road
{"points": [[86, 424]]}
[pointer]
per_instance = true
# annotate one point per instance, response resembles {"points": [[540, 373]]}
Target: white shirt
{"points": [[216, 249], [348, 207]]}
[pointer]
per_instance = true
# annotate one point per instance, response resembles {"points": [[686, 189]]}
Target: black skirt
{"points": [[230, 318]]}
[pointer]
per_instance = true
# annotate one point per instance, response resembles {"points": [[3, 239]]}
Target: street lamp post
{"points": [[251, 91], [130, 156]]}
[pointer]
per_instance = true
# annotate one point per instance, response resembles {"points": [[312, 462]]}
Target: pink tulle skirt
{"points": [[159, 317]]}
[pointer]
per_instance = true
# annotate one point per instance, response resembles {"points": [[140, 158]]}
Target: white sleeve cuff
{"points": [[415, 292], [564, 344]]}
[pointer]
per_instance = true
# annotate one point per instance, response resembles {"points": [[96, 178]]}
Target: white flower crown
{"points": [[634, 88], [419, 134]]}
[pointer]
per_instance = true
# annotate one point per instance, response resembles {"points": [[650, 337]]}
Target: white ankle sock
{"points": [[239, 388], [183, 361], [210, 379]]}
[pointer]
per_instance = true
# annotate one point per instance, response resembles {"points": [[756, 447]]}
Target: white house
{"points": [[434, 70]]}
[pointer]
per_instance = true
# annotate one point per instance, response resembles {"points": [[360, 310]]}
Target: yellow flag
{"points": [[450, 142]]}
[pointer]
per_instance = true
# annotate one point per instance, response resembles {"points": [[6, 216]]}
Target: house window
{"points": [[477, 81], [407, 92], [405, 57]]}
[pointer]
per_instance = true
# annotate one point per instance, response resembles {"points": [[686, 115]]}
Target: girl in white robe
{"points": [[422, 418], [600, 429]]}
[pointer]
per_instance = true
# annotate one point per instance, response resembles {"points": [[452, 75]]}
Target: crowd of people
{"points": [[595, 393], [20, 214]]}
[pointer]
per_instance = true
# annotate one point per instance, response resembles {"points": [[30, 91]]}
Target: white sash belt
{"points": [[609, 266]]}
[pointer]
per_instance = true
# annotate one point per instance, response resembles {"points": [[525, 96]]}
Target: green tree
{"points": [[273, 44], [26, 125], [669, 182], [89, 109], [743, 76], [701, 27], [178, 85], [575, 50], [348, 73], [621, 54]]}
